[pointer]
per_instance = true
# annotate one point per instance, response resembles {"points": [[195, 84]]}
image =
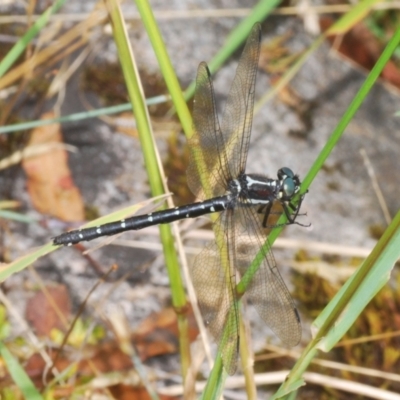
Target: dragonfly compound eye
{"points": [[289, 187], [284, 173]]}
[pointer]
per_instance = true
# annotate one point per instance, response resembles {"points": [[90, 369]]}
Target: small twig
{"points": [[375, 186], [33, 151], [79, 313], [27, 331], [119, 325]]}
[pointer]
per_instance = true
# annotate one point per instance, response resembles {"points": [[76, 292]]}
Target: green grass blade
{"points": [[165, 64], [238, 36], [147, 142], [353, 108], [79, 116], [359, 290], [19, 375], [170, 77], [345, 23], [215, 382], [21, 263], [355, 15], [349, 302], [180, 105], [28, 259], [135, 91], [375, 270], [331, 143], [16, 216], [21, 44]]}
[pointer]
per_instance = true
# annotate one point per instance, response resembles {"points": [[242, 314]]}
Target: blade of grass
{"points": [[21, 44], [170, 79], [331, 143], [247, 357], [15, 216], [79, 116], [28, 259], [345, 23], [19, 375], [4, 204], [363, 285], [176, 95], [355, 294], [214, 385], [348, 303], [66, 43], [147, 142], [178, 100], [180, 105], [355, 15], [238, 35], [165, 64], [216, 380], [334, 138]]}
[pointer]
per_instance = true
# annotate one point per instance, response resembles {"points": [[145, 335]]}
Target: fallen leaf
{"points": [[158, 334], [50, 184], [125, 392], [105, 357], [48, 310], [361, 47]]}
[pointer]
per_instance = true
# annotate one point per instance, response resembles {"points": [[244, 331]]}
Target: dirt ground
{"points": [[108, 167]]}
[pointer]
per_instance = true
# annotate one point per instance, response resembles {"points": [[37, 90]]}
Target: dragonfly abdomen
{"points": [[193, 210]]}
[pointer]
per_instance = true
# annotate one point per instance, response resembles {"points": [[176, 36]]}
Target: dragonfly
{"points": [[216, 175]]}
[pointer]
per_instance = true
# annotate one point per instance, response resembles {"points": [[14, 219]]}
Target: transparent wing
{"points": [[218, 155], [213, 277], [206, 146], [267, 290], [238, 115]]}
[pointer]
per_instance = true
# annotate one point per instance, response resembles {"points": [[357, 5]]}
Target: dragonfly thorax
{"points": [[258, 189]]}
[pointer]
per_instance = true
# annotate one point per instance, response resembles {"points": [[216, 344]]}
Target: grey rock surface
{"points": [[341, 204]]}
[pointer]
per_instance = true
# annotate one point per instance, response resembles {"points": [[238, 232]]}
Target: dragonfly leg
{"points": [[267, 213], [292, 212]]}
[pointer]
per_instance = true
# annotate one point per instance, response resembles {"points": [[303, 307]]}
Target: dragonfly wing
{"points": [[217, 156], [238, 115], [266, 290], [213, 278], [205, 174]]}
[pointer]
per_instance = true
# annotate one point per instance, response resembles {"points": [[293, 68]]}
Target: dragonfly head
{"points": [[289, 183]]}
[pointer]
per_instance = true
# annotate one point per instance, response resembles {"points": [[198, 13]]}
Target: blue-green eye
{"points": [[288, 187], [285, 173]]}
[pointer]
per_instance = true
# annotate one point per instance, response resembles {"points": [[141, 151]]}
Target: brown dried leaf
{"points": [[158, 334], [363, 48], [125, 392], [46, 311], [105, 357], [50, 183]]}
